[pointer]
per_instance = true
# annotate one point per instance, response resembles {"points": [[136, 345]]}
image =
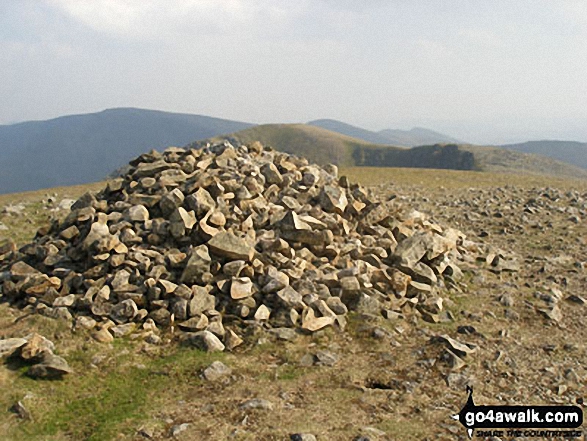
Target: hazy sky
{"points": [[480, 70]]}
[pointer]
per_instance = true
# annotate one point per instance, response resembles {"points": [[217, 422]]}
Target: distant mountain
{"points": [[495, 159], [352, 131], [567, 151], [417, 136], [85, 148], [401, 138], [323, 146]]}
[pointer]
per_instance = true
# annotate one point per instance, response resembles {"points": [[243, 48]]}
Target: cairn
{"points": [[216, 240]]}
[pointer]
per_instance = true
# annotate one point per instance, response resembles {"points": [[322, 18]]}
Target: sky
{"points": [[485, 71]]}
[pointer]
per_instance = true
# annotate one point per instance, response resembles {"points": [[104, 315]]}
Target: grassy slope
{"points": [[567, 151], [324, 146], [321, 145], [494, 159], [432, 178]]}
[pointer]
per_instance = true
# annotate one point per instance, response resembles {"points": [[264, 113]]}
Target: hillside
{"points": [[566, 151], [315, 143], [323, 146], [417, 136], [84, 148], [494, 159], [402, 138]]}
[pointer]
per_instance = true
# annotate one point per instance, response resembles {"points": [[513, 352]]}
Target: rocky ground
{"points": [[513, 328]]}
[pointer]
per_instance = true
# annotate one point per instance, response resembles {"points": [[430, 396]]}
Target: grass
{"points": [[415, 428], [448, 179], [23, 228], [98, 403]]}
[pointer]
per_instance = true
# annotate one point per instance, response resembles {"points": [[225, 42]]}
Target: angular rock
{"points": [[241, 287], [51, 366], [257, 404], [216, 371], [232, 340], [206, 341], [227, 245], [136, 213], [35, 347], [10, 345]]}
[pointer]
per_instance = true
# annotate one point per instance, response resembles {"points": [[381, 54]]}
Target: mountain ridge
{"points": [[81, 148], [75, 149], [571, 152], [396, 137]]}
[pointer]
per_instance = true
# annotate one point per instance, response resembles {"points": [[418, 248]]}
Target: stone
{"points": [[9, 346], [244, 237], [461, 349], [51, 366], [68, 300], [216, 371], [333, 199], [198, 264], [161, 316], [19, 409], [227, 245], [35, 347], [193, 324], [177, 429], [241, 287], [69, 233], [122, 330], [217, 328], [312, 323], [201, 202], [302, 437], [574, 298], [263, 313], [256, 404], [83, 322], [453, 360], [103, 336], [276, 280], [411, 250], [206, 341], [336, 305], [232, 340], [185, 219], [285, 334], [289, 297], [553, 313], [399, 282], [201, 301], [325, 358], [136, 213], [170, 201], [21, 270], [271, 174], [124, 311]]}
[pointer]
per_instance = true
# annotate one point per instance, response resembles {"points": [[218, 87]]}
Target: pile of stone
{"points": [[36, 351], [218, 240]]}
